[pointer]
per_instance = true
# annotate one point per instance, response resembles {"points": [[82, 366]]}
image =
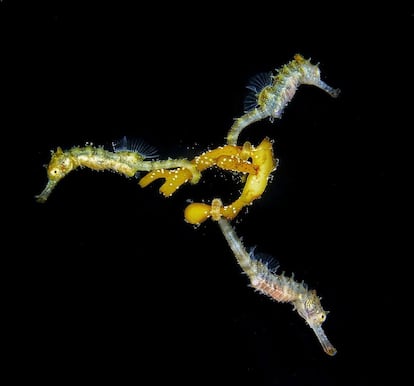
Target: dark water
{"points": [[110, 283]]}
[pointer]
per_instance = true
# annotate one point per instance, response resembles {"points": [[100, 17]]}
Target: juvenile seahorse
{"points": [[269, 94], [279, 287], [120, 160]]}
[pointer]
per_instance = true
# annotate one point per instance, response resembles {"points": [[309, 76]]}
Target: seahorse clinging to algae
{"points": [[278, 287], [126, 159], [269, 94]]}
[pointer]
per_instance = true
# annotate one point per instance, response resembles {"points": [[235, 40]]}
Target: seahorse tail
{"points": [[242, 122]]}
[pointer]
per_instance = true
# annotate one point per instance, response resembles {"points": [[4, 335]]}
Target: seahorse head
{"points": [[60, 165], [310, 308], [311, 74]]}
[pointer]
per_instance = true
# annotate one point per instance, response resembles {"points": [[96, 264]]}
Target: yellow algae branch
{"points": [[263, 164]]}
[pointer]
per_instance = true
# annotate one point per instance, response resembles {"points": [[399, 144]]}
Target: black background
{"points": [[110, 283]]}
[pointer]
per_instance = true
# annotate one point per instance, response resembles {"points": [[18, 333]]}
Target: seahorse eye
{"points": [[55, 173]]}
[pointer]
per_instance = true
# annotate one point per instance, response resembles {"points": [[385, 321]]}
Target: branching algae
{"points": [[268, 96]]}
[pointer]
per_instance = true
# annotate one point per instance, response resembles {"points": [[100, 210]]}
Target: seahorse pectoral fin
{"points": [[44, 195], [323, 340]]}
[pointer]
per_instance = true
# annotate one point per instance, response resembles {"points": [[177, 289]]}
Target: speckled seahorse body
{"points": [[271, 93], [279, 287], [125, 162]]}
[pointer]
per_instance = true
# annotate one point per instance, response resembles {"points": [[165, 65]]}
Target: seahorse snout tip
{"points": [[324, 341], [331, 351], [44, 195], [335, 92]]}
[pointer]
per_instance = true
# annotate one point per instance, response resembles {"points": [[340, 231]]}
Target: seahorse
{"points": [[121, 160], [278, 287], [269, 94]]}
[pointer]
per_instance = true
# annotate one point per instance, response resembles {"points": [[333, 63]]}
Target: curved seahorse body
{"points": [[279, 287], [97, 158], [125, 162], [272, 96]]}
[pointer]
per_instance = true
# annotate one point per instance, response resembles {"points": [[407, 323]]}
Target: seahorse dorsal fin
{"points": [[135, 145], [255, 85], [266, 259]]}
